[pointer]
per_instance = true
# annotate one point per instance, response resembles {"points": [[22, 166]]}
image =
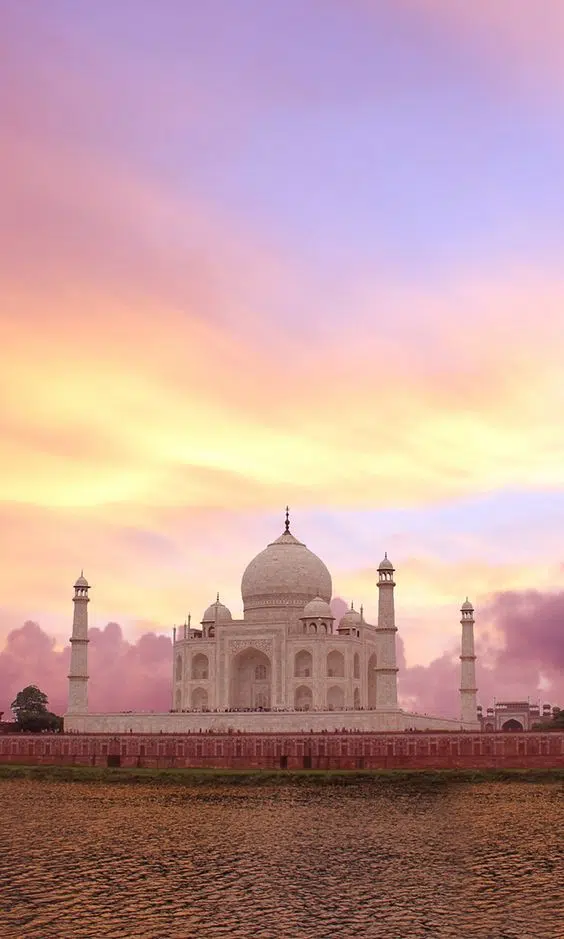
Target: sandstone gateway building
{"points": [[286, 666]]}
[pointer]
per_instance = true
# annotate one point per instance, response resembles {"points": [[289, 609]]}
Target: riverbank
{"points": [[257, 778]]}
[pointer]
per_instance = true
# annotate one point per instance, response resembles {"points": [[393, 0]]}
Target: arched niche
{"points": [[200, 667], [178, 672], [356, 699], [303, 664], [178, 700], [303, 698], [199, 699], [371, 681], [251, 680], [335, 699], [356, 665], [335, 664]]}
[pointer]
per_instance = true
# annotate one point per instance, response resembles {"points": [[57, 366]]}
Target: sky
{"points": [[267, 252]]}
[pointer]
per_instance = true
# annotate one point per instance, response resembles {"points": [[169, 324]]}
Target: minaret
{"points": [[386, 669], [468, 690], [78, 678]]}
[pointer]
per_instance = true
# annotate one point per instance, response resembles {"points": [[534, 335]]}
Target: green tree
{"points": [[31, 711], [556, 721]]}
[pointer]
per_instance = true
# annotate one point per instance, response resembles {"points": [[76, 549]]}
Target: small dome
{"points": [[466, 606], [81, 582], [386, 564], [351, 618], [217, 613], [317, 608]]}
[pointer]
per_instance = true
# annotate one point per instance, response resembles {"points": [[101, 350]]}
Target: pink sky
{"points": [[264, 253]]}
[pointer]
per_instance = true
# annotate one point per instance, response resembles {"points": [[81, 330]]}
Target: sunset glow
{"points": [[258, 253]]}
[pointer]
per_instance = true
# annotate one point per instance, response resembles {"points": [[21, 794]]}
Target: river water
{"points": [[392, 861]]}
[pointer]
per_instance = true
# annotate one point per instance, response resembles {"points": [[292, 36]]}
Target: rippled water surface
{"points": [[96, 861]]}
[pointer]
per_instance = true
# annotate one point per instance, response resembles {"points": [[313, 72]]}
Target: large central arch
{"points": [[512, 725], [251, 680]]}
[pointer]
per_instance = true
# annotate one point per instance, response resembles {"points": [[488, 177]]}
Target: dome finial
{"points": [[217, 597], [287, 522]]}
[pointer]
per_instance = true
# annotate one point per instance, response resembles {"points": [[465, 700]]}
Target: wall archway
{"points": [[251, 680], [303, 698], [512, 725], [303, 664], [356, 699], [178, 700], [356, 665], [199, 699], [335, 699], [335, 664], [489, 728], [179, 668], [371, 681], [200, 667]]}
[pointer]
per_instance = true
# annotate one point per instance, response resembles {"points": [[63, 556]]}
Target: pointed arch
{"points": [[371, 680], [200, 667], [512, 725], [335, 664], [199, 699], [303, 664], [303, 698], [335, 699], [251, 680]]}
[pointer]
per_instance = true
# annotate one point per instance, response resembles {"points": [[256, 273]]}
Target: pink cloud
{"points": [[510, 35], [528, 663], [124, 675], [137, 675]]}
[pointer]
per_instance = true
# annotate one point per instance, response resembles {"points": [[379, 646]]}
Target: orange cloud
{"points": [[146, 371], [92, 419]]}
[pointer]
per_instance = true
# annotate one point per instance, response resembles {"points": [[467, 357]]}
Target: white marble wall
{"points": [[260, 722], [281, 647]]}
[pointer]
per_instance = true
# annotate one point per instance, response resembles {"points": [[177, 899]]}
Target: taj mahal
{"points": [[286, 666]]}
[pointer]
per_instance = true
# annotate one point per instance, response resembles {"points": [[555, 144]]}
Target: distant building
{"points": [[513, 715]]}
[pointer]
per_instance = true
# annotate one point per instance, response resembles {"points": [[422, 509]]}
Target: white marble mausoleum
{"points": [[285, 665]]}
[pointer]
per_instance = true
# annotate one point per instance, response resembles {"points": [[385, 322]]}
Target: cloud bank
{"points": [[523, 656]]}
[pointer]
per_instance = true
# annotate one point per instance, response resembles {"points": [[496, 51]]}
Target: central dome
{"points": [[285, 574]]}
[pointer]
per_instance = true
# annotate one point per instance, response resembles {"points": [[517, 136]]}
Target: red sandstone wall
{"points": [[294, 751]]}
